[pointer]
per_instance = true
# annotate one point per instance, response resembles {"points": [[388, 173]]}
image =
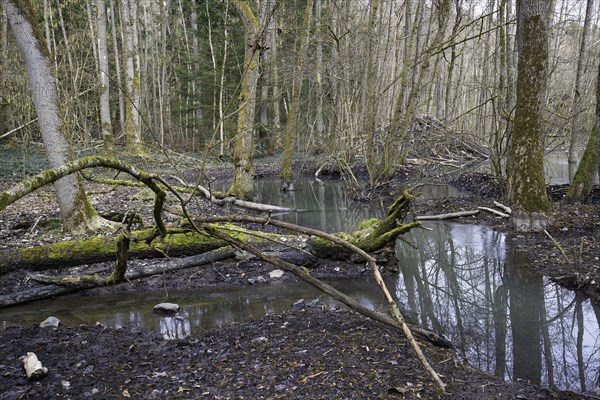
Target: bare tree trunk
{"points": [[93, 34], [112, 15], [501, 127], [243, 161], [105, 120], [274, 75], [197, 117], [287, 175], [525, 165], [67, 44], [319, 61], [133, 129], [76, 210], [577, 109], [4, 101], [583, 181], [371, 88]]}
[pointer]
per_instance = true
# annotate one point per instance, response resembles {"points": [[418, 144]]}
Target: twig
{"points": [[558, 246]]}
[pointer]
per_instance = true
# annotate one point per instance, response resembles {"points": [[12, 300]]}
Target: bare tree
{"points": [[243, 161], [76, 210], [133, 127], [576, 112], [290, 128], [105, 120]]}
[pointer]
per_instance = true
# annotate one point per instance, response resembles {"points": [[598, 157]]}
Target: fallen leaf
{"points": [[126, 393]]}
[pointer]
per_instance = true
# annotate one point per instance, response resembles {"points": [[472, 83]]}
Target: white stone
{"points": [[276, 274], [166, 307], [50, 322]]}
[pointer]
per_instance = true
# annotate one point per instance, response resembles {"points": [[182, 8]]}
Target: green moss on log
{"points": [[373, 234]]}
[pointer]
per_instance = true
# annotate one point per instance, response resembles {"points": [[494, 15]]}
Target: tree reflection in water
{"points": [[469, 283]]}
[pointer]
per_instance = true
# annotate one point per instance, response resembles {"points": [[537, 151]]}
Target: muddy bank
{"points": [[308, 353]]}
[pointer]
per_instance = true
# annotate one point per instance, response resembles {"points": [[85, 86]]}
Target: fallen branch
{"points": [[495, 212], [250, 205], [397, 318], [76, 283], [458, 214], [506, 209]]}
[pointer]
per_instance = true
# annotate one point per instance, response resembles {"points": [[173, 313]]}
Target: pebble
{"points": [[259, 279], [50, 322], [276, 274]]}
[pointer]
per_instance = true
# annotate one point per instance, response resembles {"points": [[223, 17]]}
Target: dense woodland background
{"points": [[373, 71]]}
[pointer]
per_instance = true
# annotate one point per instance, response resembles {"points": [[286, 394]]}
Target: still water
{"points": [[464, 281]]}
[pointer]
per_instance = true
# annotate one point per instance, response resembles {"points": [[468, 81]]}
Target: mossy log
{"points": [[373, 234], [143, 244]]}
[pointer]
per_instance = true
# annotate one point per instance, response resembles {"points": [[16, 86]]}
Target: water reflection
{"points": [[468, 282], [465, 281], [328, 205]]}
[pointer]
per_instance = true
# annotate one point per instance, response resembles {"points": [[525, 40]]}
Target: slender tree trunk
{"points": [[104, 76], [76, 210], [133, 130], [222, 84], [274, 75], [67, 45], [112, 15], [371, 88], [265, 19], [577, 108], [4, 101], [93, 32], [197, 120], [319, 93], [243, 161], [287, 175], [500, 129], [525, 166]]}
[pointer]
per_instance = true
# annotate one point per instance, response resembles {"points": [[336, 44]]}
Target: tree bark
{"points": [[287, 175], [525, 166], [133, 129], [104, 76], [577, 108], [77, 212], [243, 160], [583, 181]]}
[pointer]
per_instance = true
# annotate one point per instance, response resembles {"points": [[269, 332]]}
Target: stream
{"points": [[467, 282]]}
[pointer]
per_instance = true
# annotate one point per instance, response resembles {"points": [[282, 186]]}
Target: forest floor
{"points": [[307, 353]]}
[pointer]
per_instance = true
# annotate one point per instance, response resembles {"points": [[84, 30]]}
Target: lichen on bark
{"points": [[525, 166]]}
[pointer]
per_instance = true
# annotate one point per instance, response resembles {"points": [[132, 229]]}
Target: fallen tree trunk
{"points": [[58, 286], [103, 248], [182, 242]]}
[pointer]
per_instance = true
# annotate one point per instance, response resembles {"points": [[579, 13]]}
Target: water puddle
{"points": [[470, 283]]}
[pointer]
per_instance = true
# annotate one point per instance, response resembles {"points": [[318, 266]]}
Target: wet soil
{"points": [[311, 352]]}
